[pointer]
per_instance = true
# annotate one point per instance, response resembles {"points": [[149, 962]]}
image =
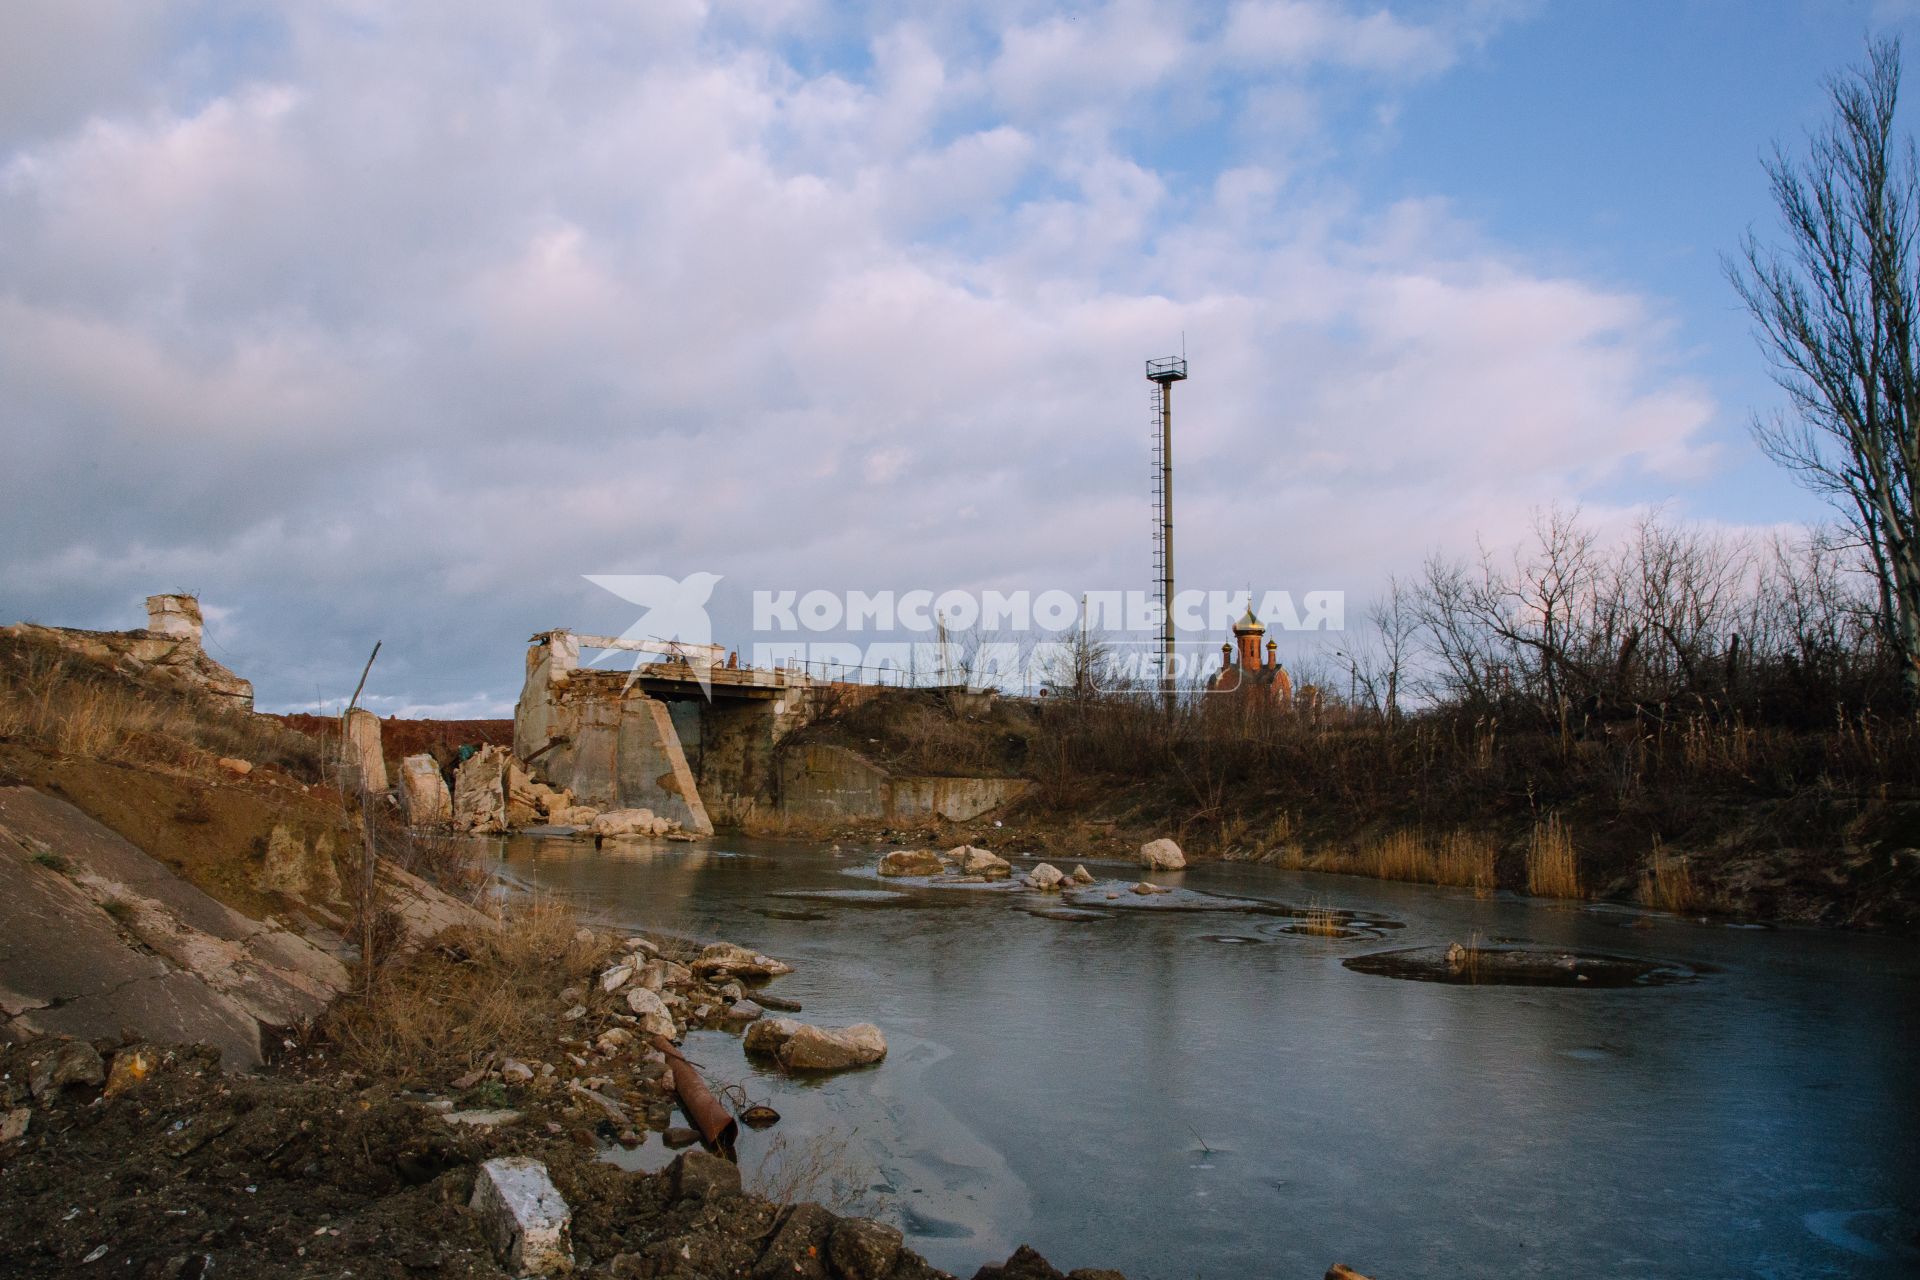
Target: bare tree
{"points": [[1837, 309]]}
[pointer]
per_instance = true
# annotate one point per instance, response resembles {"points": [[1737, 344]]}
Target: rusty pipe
{"points": [[717, 1127]]}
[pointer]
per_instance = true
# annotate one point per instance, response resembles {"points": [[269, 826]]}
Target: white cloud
{"points": [[436, 308]]}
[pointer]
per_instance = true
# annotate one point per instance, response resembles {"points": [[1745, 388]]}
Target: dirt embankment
{"points": [[190, 1173]]}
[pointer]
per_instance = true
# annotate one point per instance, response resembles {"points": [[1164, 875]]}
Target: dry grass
{"points": [[1553, 868], [824, 1169], [1667, 883], [1457, 858], [69, 705], [473, 992], [1323, 921]]}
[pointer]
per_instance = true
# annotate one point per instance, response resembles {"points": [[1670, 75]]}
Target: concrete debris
{"points": [[655, 1020], [479, 792], [524, 1216], [364, 757], [423, 792], [632, 822]]}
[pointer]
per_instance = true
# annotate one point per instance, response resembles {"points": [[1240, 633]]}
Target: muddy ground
{"points": [[190, 1173]]}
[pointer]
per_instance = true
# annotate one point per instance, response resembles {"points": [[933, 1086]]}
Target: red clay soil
{"points": [[399, 738]]}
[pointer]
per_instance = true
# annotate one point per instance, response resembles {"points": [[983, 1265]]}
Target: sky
{"points": [[391, 322]]}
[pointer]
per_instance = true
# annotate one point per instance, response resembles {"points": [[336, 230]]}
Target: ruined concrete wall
{"points": [[955, 799], [818, 782], [737, 763], [611, 746], [825, 782]]}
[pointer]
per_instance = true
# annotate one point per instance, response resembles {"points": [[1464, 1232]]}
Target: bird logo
{"points": [[674, 620]]}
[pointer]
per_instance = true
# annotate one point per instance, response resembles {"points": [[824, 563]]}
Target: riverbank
{"points": [[1797, 825], [358, 1148]]}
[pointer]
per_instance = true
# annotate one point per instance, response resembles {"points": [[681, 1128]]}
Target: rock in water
{"points": [[1082, 876], [911, 862], [981, 862], [1162, 855], [768, 1034], [736, 961], [812, 1048], [631, 822], [524, 1216], [1045, 876]]}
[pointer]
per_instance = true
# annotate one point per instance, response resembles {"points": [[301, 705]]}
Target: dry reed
{"points": [[1667, 882], [1553, 868]]}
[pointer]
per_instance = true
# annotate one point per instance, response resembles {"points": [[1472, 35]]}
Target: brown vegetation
{"points": [[1553, 866], [69, 705], [435, 1015]]}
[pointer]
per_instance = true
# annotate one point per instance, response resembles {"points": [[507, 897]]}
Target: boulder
{"points": [[631, 822], [981, 862], [812, 1048], [618, 977], [861, 1249], [523, 1216], [479, 792], [238, 767], [130, 1067], [1144, 888], [1162, 855], [696, 1175], [69, 1062], [795, 1252], [1082, 876], [911, 862], [1045, 876], [13, 1124], [736, 961], [655, 1020], [767, 1035], [423, 792]]}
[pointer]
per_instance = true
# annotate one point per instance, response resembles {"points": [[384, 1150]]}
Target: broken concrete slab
{"points": [[524, 1216], [97, 939], [423, 792]]}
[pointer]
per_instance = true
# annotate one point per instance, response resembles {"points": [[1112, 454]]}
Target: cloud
{"points": [[398, 321]]}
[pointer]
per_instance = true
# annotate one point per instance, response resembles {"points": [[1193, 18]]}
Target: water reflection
{"points": [[1210, 1092]]}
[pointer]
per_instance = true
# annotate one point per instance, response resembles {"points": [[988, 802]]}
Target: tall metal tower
{"points": [[1163, 374]]}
